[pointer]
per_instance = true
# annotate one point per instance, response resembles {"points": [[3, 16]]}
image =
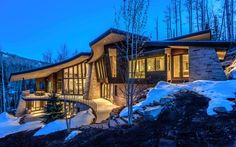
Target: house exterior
{"points": [[101, 73]]}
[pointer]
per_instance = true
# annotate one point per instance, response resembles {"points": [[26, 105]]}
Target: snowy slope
{"points": [[10, 125], [217, 91], [82, 118]]}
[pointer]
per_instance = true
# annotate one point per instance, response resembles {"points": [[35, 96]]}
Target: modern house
{"points": [[101, 73]]}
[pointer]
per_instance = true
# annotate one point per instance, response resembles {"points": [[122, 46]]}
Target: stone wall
{"points": [[205, 65], [94, 85], [21, 108]]}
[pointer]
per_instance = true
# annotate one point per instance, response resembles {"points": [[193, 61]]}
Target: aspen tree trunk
{"points": [[232, 19], [176, 17], [3, 88], [228, 20], [197, 15], [180, 17], [157, 31]]}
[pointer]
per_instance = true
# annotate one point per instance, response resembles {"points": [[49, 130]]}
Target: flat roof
{"points": [[205, 35], [200, 43]]}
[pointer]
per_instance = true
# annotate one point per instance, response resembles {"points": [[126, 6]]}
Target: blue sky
{"points": [[30, 27]]}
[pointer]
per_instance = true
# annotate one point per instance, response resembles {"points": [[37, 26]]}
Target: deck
{"points": [[101, 106]]}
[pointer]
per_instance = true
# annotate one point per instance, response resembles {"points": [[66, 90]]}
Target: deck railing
{"points": [[80, 99], [72, 98]]}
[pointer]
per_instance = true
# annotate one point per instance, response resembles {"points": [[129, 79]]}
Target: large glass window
{"points": [[221, 55], [100, 68], [59, 82], [185, 66], [176, 66], [74, 79], [112, 57], [156, 64], [137, 68], [151, 64]]}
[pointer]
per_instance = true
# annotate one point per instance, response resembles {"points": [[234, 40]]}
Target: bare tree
{"points": [[197, 14], [232, 18], [75, 52], [189, 6], [180, 17], [3, 84], [157, 29], [134, 18], [228, 20], [216, 28], [47, 56], [62, 53], [168, 21], [175, 17]]}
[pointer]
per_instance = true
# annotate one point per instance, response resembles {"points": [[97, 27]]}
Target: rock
{"points": [[231, 99], [220, 110], [166, 100], [156, 102], [152, 113], [167, 143]]}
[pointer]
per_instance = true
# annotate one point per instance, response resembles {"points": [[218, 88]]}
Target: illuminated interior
{"points": [[74, 79], [176, 66], [185, 60], [181, 66], [106, 91], [156, 64], [112, 57], [139, 71], [221, 55], [101, 69]]}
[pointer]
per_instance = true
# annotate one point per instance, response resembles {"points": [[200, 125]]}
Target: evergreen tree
{"points": [[53, 110]]}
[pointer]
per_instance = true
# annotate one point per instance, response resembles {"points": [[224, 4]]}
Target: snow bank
{"points": [[72, 135], [217, 91], [153, 112], [232, 74], [162, 89], [82, 118], [10, 125]]}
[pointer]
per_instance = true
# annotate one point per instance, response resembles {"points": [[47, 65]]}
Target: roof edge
{"points": [[191, 35], [51, 65], [112, 30]]}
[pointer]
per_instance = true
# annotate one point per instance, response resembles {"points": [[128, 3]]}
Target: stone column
{"points": [[94, 85], [205, 65]]}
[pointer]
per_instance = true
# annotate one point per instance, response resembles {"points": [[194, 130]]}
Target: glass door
{"points": [[176, 66], [180, 66], [106, 91]]}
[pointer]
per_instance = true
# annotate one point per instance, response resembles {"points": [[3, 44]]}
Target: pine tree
{"points": [[53, 110]]}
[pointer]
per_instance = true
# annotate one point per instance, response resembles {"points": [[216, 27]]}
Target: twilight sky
{"points": [[30, 27]]}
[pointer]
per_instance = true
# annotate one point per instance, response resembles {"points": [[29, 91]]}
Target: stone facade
{"points": [[205, 65], [94, 85]]}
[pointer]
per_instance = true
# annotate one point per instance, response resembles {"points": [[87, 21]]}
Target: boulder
{"points": [[220, 110], [156, 103], [152, 113], [166, 100], [167, 143]]}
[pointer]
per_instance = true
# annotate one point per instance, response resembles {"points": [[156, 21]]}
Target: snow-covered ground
{"points": [[72, 135], [10, 125], [82, 118], [217, 91]]}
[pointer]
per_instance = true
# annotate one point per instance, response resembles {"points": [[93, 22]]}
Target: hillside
{"points": [[11, 63]]}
